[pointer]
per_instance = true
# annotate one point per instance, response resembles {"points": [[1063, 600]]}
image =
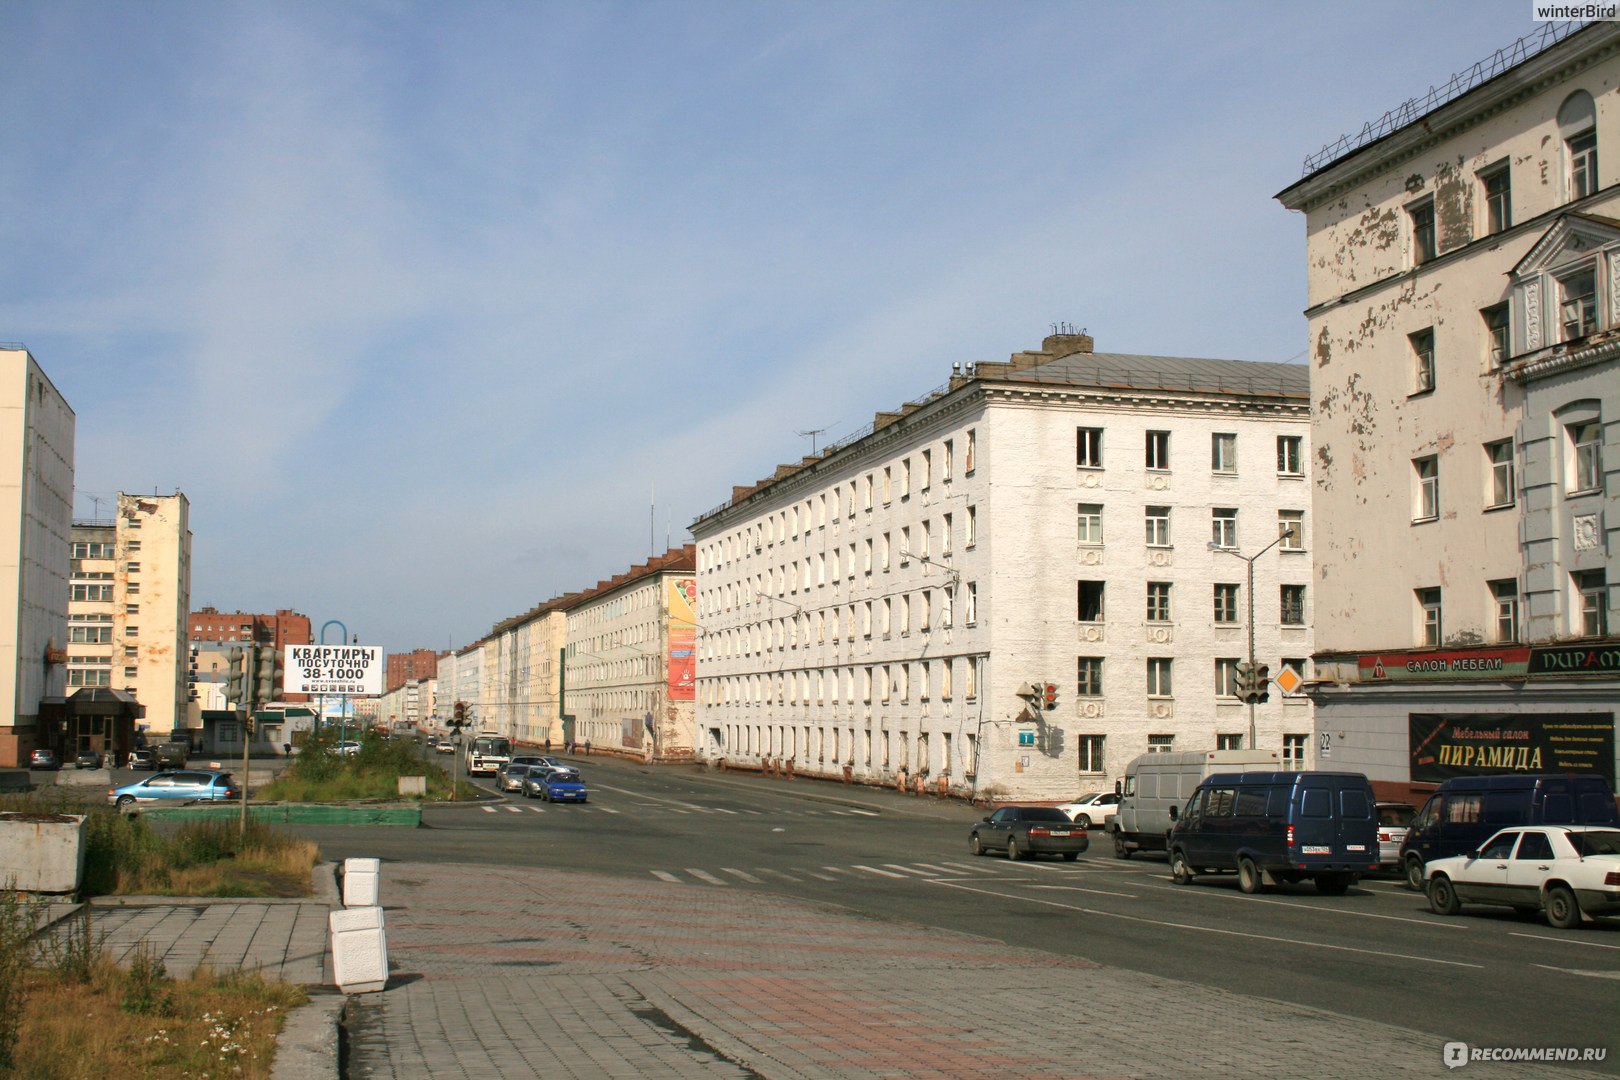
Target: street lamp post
{"points": [[1287, 532]]}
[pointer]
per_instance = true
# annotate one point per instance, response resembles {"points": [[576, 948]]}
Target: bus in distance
{"points": [[486, 752]]}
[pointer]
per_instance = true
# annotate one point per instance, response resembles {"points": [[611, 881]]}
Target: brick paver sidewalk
{"points": [[517, 973]]}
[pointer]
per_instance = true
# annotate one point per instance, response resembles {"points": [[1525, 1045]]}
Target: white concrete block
{"points": [[361, 882], [42, 852], [359, 949]]}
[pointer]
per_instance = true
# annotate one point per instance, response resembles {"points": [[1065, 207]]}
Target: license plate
{"points": [[1060, 832], [1358, 847]]}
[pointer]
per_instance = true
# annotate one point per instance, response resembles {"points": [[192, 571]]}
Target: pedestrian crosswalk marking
{"points": [[969, 868], [538, 809], [515, 809], [908, 870], [894, 871], [875, 870], [665, 875], [607, 810], [489, 809], [704, 875], [778, 873], [750, 878]]}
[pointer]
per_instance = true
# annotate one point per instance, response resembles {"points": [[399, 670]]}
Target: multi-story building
{"points": [[527, 648], [416, 664], [881, 610], [36, 505], [1463, 265], [627, 677], [460, 675], [128, 598], [285, 627]]}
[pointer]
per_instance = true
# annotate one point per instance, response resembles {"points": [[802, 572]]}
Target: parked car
{"points": [[44, 759], [1287, 826], [562, 785], [176, 786], [1467, 810], [90, 759], [1569, 871], [1023, 831], [512, 776], [1092, 808], [171, 755], [346, 749], [1393, 820], [142, 759]]}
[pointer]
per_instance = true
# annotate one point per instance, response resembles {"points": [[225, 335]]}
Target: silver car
{"points": [[512, 777], [1394, 818]]}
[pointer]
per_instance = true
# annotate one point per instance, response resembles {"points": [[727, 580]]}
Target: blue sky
{"points": [[418, 303]]}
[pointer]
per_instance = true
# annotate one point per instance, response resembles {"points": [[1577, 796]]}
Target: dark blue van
{"points": [[1468, 810], [1286, 825]]}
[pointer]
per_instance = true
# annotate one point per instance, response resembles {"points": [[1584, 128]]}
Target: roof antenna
{"points": [[812, 433]]}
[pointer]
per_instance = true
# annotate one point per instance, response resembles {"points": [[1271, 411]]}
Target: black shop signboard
{"points": [[1490, 744]]}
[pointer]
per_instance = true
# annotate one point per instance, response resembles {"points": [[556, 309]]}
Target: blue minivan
{"points": [[1466, 811], [1287, 826]]}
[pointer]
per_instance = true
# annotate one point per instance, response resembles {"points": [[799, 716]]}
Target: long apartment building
{"points": [[1463, 265], [881, 609]]}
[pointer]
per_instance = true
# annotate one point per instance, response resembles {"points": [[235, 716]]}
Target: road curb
{"points": [[307, 1048]]}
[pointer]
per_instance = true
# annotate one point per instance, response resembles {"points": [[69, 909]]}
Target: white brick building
{"points": [[875, 610]]}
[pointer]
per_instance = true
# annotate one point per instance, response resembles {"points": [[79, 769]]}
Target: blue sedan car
{"points": [[177, 786], [562, 786]]}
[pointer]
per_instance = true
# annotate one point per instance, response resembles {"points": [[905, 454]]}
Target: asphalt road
{"points": [[1488, 978]]}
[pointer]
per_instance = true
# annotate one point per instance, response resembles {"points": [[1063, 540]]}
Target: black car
{"points": [[90, 759], [1023, 831]]}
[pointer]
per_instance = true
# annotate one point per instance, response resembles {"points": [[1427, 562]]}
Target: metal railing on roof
{"points": [[1459, 84]]}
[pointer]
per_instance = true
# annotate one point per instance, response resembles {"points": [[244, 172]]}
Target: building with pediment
{"points": [[1463, 262]]}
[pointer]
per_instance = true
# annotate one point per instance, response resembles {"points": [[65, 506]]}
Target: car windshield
{"points": [[492, 745], [1044, 813], [1601, 842], [1395, 816], [1089, 796]]}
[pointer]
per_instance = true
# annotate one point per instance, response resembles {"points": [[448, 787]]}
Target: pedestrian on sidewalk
{"points": [[587, 747]]}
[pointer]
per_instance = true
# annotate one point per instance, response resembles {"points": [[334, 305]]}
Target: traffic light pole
{"points": [[1253, 686]]}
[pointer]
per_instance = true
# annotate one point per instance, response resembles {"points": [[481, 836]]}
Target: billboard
{"points": [[1488, 744], [334, 669], [680, 601]]}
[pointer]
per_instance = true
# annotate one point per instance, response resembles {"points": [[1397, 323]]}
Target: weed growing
{"points": [[318, 774]]}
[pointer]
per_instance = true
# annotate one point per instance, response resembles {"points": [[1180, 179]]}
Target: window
{"points": [[1088, 447], [92, 592], [888, 616], [1430, 627], [1291, 528], [1290, 455], [1498, 199], [887, 483], [1226, 680], [1499, 458], [1158, 677], [1223, 452], [887, 550], [1577, 297], [1422, 360], [1223, 532], [131, 630], [866, 493], [1228, 742], [1496, 335], [905, 613], [1591, 603], [1505, 595], [1293, 752], [1158, 526], [1091, 601], [1158, 449], [1577, 123], [1090, 519], [1091, 753], [972, 602], [1293, 605], [972, 536], [1161, 744], [1226, 603], [945, 536], [949, 459], [1427, 470], [970, 678], [1586, 443], [925, 607], [905, 478], [1421, 216], [1158, 601], [1090, 676], [866, 619], [968, 453], [927, 469]]}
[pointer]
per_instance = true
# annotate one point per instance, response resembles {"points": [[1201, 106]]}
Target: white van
{"points": [[1156, 782]]}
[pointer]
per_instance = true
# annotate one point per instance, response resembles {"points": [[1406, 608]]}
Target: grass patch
{"points": [[318, 775]]}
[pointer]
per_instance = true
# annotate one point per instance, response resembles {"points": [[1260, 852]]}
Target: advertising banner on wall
{"points": [[1487, 744], [681, 602]]}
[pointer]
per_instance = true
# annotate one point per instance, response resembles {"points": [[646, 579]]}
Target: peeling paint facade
{"points": [[1464, 289]]}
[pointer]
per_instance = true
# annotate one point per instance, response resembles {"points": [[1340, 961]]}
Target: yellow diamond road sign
{"points": [[1288, 680]]}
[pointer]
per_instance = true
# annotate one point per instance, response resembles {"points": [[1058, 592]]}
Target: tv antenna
{"points": [[811, 434]]}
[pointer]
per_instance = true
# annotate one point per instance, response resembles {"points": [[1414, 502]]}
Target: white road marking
{"points": [[866, 813], [488, 809], [909, 870], [538, 809], [836, 869], [743, 874], [665, 875], [932, 867], [1207, 929], [722, 810], [1077, 888], [812, 873], [704, 875], [776, 873], [975, 869], [1312, 907], [875, 870], [514, 809], [1563, 941], [606, 810], [1588, 974]]}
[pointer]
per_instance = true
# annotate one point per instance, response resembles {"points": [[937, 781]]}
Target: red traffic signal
{"points": [[1049, 695]]}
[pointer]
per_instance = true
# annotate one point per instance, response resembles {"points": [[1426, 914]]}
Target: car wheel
{"points": [[1332, 884], [1563, 910], [1120, 850], [125, 802], [1084, 821], [1250, 880], [1180, 871], [975, 845], [1013, 854], [1414, 873], [1443, 896], [1070, 856]]}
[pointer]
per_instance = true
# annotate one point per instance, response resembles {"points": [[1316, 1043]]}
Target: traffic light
{"points": [[459, 721], [1260, 686], [235, 682], [269, 675], [1049, 696]]}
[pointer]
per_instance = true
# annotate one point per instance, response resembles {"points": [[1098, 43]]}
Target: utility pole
{"points": [[1252, 681]]}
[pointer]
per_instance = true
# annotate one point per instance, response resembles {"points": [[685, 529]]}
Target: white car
{"points": [[1570, 871], [346, 749], [1092, 808]]}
